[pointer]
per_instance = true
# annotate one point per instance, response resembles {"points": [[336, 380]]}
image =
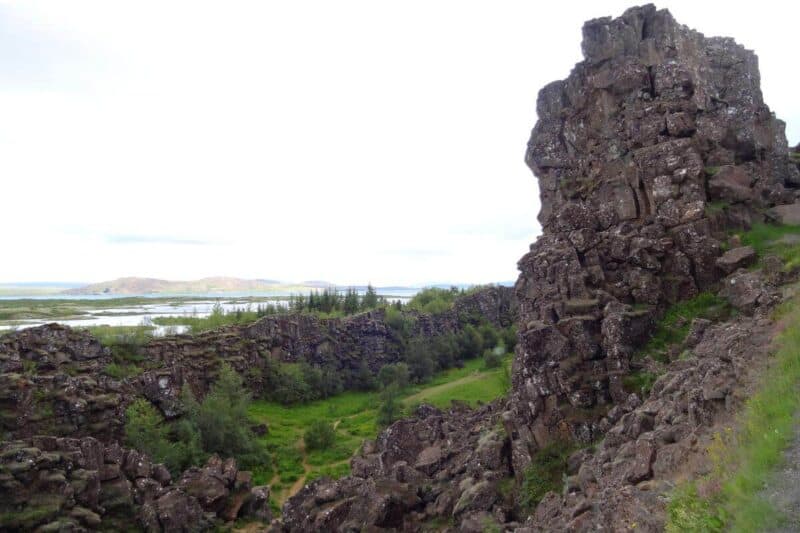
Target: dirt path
{"points": [[445, 386], [783, 490], [301, 481]]}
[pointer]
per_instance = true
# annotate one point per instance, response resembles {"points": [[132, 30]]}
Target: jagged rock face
{"points": [[433, 465], [623, 484], [654, 125], [344, 344], [64, 484], [51, 382]]}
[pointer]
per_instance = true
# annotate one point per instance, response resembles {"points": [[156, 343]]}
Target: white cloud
{"points": [[348, 141]]}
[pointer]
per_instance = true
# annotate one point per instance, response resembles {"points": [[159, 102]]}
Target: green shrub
{"points": [[390, 408], [544, 474], [118, 371], [674, 325], [494, 358], [470, 342], [640, 383], [489, 335], [394, 374], [146, 431], [320, 436], [420, 360], [221, 419], [433, 300]]}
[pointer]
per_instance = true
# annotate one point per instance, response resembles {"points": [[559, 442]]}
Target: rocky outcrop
{"points": [[63, 484], [51, 382], [656, 144], [651, 444], [342, 344], [434, 466]]}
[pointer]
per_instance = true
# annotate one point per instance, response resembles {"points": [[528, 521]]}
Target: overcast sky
{"points": [[338, 140]]}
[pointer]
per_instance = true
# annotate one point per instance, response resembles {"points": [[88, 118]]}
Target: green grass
{"points": [[639, 382], [780, 240], [674, 325], [744, 458], [354, 414]]}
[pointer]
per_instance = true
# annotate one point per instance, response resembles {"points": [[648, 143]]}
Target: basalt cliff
{"points": [[648, 155]]}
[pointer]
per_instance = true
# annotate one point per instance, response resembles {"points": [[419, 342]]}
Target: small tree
{"points": [[394, 374], [489, 335], [390, 409], [319, 436], [470, 342], [420, 360], [222, 422], [370, 298], [145, 429], [351, 303]]}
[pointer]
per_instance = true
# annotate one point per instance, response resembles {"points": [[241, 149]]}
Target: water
{"points": [[143, 314]]}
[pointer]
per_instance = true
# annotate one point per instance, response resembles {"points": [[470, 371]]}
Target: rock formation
{"points": [[51, 382], [656, 144], [63, 484]]}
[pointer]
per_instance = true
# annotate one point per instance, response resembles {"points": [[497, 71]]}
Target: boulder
{"points": [[736, 258], [788, 214], [731, 183]]}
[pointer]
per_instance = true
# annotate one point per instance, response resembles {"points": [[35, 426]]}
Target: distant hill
{"points": [[134, 285]]}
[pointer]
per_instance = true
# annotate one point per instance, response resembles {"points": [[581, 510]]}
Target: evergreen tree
{"points": [[351, 303], [370, 299]]}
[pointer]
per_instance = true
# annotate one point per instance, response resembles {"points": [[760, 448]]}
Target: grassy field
{"points": [[353, 414]]}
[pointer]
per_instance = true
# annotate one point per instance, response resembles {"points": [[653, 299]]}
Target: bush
{"points": [[394, 374], [221, 419], [401, 323], [319, 436], [509, 337], [444, 350], [146, 431], [433, 300], [494, 358], [489, 335], [470, 342], [390, 409], [544, 474], [419, 357]]}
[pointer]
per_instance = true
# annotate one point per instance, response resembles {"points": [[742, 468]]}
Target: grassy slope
{"points": [[745, 456], [354, 415]]}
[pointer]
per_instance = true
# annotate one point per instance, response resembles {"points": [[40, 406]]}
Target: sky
{"points": [[347, 141]]}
